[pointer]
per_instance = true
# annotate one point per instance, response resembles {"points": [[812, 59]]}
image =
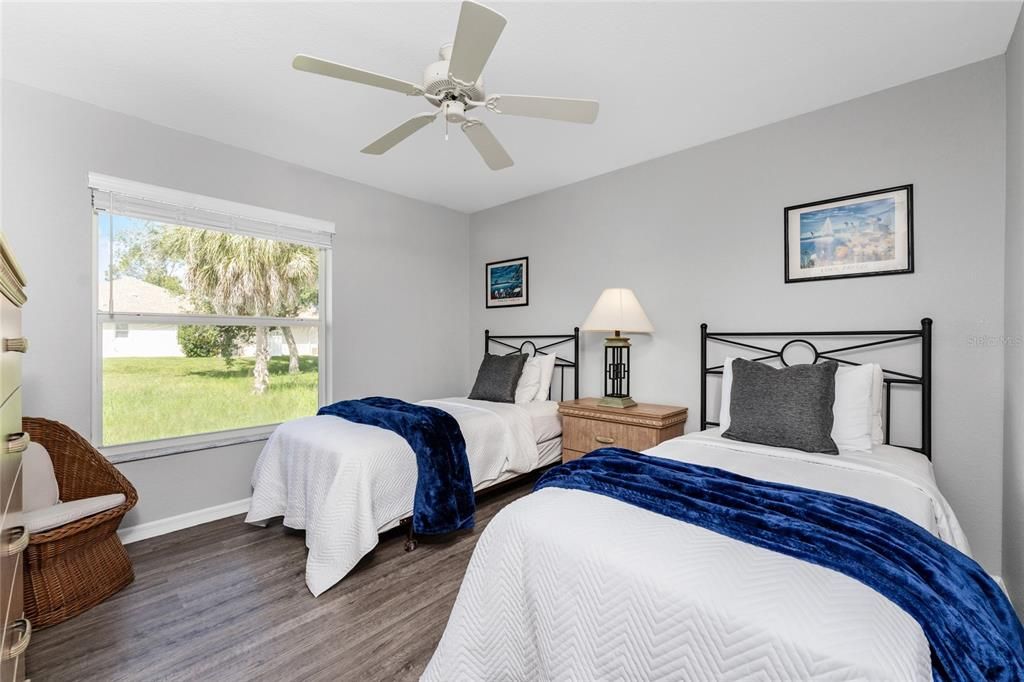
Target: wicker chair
{"points": [[73, 567]]}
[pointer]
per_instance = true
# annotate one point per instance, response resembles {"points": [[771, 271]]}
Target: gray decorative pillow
{"points": [[498, 377], [786, 408]]}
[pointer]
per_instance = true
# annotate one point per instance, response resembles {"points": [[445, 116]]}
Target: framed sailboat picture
{"points": [[508, 283], [859, 235]]}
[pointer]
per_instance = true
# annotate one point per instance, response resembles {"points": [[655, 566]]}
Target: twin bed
{"points": [[578, 584], [345, 483]]}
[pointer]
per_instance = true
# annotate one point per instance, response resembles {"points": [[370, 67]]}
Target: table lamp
{"points": [[617, 310]]}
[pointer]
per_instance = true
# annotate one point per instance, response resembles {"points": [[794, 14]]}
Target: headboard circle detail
{"points": [[522, 348], [802, 342]]}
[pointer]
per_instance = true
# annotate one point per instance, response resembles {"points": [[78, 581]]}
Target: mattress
{"points": [[566, 584], [544, 419], [548, 452]]}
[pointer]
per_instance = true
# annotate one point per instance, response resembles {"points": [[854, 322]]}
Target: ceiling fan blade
{"points": [[390, 139], [486, 144], [557, 108], [475, 37], [304, 62]]}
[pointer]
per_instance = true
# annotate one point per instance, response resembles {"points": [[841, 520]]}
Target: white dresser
{"points": [[13, 537]]}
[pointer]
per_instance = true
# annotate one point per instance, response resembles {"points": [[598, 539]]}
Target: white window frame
{"points": [[227, 216]]}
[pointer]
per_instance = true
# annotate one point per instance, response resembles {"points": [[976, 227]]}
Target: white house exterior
{"points": [[161, 340], [137, 340], [306, 339]]}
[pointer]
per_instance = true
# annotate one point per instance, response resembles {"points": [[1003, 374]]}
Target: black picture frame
{"points": [[511, 301], [904, 236]]}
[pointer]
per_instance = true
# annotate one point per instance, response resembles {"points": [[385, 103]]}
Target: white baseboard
{"points": [[181, 521]]}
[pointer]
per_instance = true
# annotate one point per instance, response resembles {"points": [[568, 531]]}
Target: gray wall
{"points": [[400, 266], [1013, 474], [698, 236]]}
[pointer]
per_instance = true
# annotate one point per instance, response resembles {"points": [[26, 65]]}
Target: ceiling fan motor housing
{"points": [[437, 83]]}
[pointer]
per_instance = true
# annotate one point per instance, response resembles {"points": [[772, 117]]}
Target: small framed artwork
{"points": [[508, 283], [860, 235]]}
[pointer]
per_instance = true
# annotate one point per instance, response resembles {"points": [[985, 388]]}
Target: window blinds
{"points": [[149, 202]]}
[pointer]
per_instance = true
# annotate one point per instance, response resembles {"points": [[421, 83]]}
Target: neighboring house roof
{"points": [[133, 295]]}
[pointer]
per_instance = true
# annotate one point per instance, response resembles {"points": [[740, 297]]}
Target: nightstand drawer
{"points": [[585, 435]]}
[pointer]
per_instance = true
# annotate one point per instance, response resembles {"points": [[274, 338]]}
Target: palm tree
{"points": [[308, 297], [241, 275]]}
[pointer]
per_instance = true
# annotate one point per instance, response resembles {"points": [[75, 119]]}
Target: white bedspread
{"points": [[570, 585], [344, 482]]}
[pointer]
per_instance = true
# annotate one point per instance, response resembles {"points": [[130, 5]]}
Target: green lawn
{"points": [[147, 398]]}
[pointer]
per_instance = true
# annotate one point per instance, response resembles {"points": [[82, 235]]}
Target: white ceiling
{"points": [[668, 75]]}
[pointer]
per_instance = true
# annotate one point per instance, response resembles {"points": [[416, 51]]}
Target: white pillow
{"points": [[877, 433], [853, 409], [547, 371], [529, 381], [38, 484], [723, 410]]}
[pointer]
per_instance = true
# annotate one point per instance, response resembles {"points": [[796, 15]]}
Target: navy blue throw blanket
{"points": [[971, 627], [444, 499]]}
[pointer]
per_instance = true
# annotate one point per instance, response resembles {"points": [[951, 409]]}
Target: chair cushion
{"points": [[38, 484], [67, 512]]}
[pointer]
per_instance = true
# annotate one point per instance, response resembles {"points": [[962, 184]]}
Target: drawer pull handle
{"points": [[604, 439], [15, 547], [17, 442], [15, 650], [16, 345]]}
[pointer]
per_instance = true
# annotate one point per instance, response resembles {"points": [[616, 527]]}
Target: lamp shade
{"points": [[617, 310]]}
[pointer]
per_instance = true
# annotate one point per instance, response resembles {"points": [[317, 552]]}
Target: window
{"points": [[209, 318]]}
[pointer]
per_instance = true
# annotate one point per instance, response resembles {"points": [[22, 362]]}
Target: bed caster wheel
{"points": [[410, 545]]}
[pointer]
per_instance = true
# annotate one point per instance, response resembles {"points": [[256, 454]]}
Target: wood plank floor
{"points": [[227, 601]]}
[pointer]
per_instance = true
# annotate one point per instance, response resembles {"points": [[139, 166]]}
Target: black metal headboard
{"points": [[889, 376], [542, 344]]}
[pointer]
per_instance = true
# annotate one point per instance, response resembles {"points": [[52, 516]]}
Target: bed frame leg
{"points": [[410, 538]]}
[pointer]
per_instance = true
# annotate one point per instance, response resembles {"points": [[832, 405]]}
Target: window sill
{"points": [[131, 452]]}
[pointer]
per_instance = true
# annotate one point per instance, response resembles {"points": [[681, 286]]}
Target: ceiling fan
{"points": [[454, 85]]}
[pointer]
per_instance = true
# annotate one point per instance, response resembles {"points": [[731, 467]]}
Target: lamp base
{"points": [[616, 401]]}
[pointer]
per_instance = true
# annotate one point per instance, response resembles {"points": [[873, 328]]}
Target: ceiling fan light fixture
{"points": [[454, 111]]}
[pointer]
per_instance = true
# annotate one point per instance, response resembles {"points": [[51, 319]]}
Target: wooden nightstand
{"points": [[587, 426]]}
